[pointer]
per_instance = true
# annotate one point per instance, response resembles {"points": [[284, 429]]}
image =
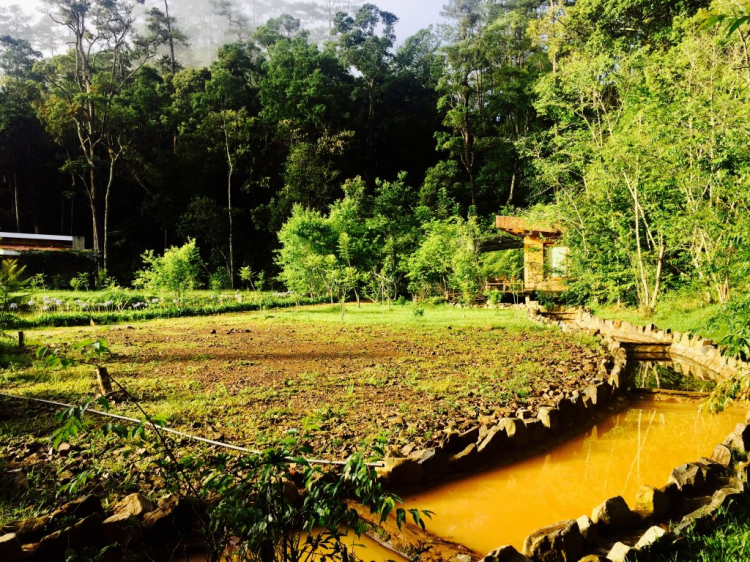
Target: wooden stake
{"points": [[105, 383], [21, 343]]}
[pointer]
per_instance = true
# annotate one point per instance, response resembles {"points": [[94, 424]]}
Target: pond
{"points": [[637, 446]]}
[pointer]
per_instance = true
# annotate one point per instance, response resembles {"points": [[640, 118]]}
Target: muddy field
{"points": [[249, 379]]}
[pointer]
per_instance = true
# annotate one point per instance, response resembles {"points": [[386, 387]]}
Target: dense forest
{"points": [[308, 143]]}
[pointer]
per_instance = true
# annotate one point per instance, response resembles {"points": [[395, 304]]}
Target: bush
{"points": [[177, 271], [219, 280]]}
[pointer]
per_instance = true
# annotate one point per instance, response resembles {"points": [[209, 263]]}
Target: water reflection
{"points": [[669, 375]]}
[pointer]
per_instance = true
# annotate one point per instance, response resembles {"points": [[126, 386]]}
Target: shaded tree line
{"points": [[116, 139], [625, 123]]}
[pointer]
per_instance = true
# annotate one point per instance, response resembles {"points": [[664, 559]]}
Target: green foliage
{"points": [[177, 271], [80, 282], [37, 282], [446, 261], [738, 344], [269, 524], [10, 282], [360, 246], [644, 210], [246, 275], [219, 280]]}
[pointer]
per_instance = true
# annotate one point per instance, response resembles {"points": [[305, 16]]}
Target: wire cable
{"points": [[180, 433]]}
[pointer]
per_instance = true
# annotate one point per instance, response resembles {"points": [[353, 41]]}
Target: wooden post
{"points": [[105, 383], [21, 343]]}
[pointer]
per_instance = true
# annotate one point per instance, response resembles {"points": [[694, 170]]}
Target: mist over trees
{"points": [[307, 141]]}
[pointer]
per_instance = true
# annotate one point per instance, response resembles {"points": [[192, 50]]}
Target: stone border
{"points": [[692, 347], [510, 439]]}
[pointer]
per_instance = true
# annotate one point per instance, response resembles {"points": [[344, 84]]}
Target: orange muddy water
{"points": [[637, 446]]}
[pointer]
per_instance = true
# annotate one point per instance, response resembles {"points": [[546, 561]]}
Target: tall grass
{"points": [[84, 318], [727, 540]]}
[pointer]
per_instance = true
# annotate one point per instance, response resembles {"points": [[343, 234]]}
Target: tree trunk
{"points": [[15, 203], [229, 206], [97, 219], [172, 60], [104, 380]]}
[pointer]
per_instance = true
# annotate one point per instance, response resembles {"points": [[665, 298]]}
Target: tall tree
{"points": [[82, 90], [366, 44], [19, 128]]}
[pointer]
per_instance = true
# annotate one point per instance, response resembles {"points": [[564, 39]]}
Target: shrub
{"points": [[219, 280], [177, 271]]}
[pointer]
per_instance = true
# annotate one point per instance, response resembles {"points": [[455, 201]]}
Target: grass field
{"points": [[678, 314], [336, 381]]}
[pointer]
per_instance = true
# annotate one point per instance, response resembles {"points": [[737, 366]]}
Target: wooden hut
{"points": [[545, 260]]}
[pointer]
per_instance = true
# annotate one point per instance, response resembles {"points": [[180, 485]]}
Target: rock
{"points": [[536, 430], [52, 548], [621, 552], [516, 431], [720, 496], [434, 462], [722, 455], [598, 394], [122, 528], [85, 533], [568, 411], [650, 538], [651, 502], [505, 553], [561, 542], [10, 548], [64, 449], [672, 491], [587, 529], [739, 439], [462, 558], [688, 477], [168, 519], [614, 513], [80, 508], [469, 436], [452, 443], [496, 442], [401, 471], [465, 459], [32, 529], [550, 417], [134, 504]]}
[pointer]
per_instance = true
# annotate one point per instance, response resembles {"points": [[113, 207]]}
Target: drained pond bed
{"points": [[637, 446]]}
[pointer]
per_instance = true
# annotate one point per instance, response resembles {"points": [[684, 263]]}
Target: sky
{"points": [[413, 14]]}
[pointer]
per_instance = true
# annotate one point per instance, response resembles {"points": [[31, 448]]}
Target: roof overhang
{"points": [[518, 226]]}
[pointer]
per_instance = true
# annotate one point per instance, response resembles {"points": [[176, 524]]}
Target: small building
{"points": [[545, 260], [58, 258], [16, 243]]}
